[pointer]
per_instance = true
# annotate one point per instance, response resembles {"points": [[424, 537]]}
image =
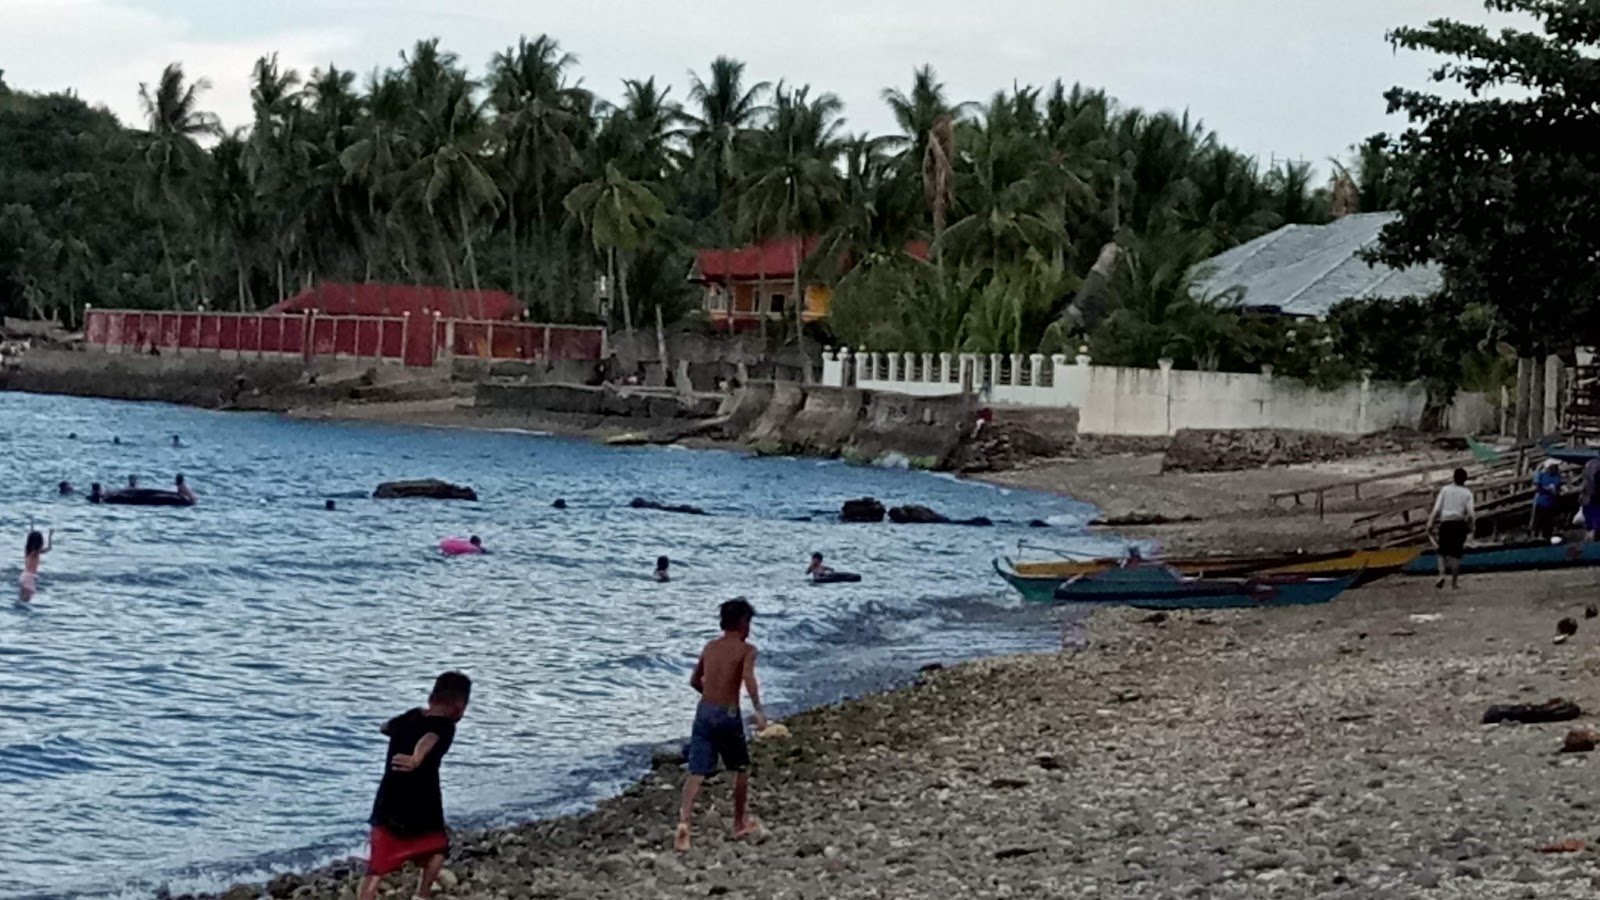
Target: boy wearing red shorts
{"points": [[408, 814]]}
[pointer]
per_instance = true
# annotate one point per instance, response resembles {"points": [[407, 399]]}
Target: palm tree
{"points": [[720, 132], [619, 213], [172, 153], [794, 185], [535, 116]]}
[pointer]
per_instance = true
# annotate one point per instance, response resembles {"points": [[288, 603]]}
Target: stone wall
{"points": [[208, 380], [1225, 450]]}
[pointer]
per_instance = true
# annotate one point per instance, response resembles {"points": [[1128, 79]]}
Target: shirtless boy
{"points": [[725, 665]]}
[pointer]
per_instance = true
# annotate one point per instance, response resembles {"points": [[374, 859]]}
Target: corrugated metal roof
{"points": [[1305, 270]]}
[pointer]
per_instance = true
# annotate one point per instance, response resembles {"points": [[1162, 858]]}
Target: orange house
{"points": [[743, 285]]}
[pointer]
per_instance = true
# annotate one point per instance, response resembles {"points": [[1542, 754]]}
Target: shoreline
{"points": [[1295, 752]]}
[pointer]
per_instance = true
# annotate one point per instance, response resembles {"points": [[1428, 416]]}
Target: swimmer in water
{"points": [[36, 546], [133, 482], [477, 542], [95, 494], [559, 504], [183, 490], [64, 488], [117, 441], [329, 506], [817, 569], [177, 441], [662, 566]]}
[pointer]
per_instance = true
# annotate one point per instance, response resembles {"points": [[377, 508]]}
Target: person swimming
{"points": [[33, 549], [117, 441], [329, 505], [177, 441], [817, 569], [183, 490], [133, 482], [559, 504], [64, 488], [95, 494], [477, 542], [663, 565]]}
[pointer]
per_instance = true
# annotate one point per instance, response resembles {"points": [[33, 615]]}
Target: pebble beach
{"points": [[1302, 752]]}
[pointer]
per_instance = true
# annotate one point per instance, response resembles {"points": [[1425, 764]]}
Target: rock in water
{"points": [[684, 508], [1578, 740], [1567, 627], [1555, 710], [429, 488], [1591, 611], [865, 509], [916, 515]]}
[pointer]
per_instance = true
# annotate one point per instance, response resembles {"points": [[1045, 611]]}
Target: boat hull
{"points": [[1185, 594], [1514, 558], [1037, 582]]}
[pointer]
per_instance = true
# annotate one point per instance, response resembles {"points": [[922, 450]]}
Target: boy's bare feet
{"points": [[681, 841], [749, 828]]}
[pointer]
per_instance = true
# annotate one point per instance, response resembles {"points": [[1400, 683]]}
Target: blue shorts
{"points": [[718, 732], [1591, 517]]}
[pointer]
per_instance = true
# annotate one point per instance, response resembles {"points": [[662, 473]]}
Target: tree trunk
{"points": [[516, 248], [166, 255], [472, 259], [622, 290], [799, 315], [758, 298], [238, 256]]}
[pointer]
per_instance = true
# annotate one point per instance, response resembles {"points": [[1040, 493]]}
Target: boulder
{"points": [[975, 521], [866, 509], [642, 503], [916, 515], [1555, 710], [428, 488], [1579, 740], [663, 755]]}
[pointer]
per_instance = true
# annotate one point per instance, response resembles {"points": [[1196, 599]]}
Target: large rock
{"points": [[922, 428], [825, 421], [865, 509], [430, 488], [767, 433], [684, 508], [916, 515], [1555, 710]]}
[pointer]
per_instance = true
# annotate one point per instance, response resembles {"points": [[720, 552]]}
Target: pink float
{"points": [[455, 546]]}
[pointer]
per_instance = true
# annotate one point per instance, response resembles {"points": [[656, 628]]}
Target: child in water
{"points": [[725, 665], [35, 547], [408, 813], [817, 569], [663, 566]]}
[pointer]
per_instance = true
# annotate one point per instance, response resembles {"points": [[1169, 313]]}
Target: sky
{"points": [[1297, 79]]}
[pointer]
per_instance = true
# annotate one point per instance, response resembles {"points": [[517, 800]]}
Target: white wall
{"points": [[1114, 400]]}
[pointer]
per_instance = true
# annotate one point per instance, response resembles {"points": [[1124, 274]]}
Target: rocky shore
{"points": [[1311, 752]]}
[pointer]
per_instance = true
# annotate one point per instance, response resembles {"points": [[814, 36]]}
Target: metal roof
{"points": [[1305, 270]]}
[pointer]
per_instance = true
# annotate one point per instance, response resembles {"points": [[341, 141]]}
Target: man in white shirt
{"points": [[1456, 517]]}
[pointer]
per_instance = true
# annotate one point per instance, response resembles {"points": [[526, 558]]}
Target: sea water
{"points": [[193, 697]]}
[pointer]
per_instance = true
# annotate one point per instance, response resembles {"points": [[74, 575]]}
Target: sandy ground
{"points": [[1231, 510]]}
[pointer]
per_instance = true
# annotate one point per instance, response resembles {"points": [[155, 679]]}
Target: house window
{"points": [[777, 303]]}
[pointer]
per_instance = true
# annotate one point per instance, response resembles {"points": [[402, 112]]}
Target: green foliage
{"points": [[1502, 169]]}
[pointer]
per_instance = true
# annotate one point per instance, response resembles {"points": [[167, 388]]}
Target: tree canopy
{"points": [[1501, 174]]}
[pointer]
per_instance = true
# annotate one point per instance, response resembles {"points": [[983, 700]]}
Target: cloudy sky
{"points": [[1277, 78]]}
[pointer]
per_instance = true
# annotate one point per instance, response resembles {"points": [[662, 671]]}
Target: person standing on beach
{"points": [[1455, 515], [726, 664], [408, 813], [1546, 497], [33, 550], [1589, 499]]}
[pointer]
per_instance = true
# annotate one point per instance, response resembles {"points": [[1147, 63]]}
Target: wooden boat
{"points": [[1525, 557], [1156, 587], [1038, 581]]}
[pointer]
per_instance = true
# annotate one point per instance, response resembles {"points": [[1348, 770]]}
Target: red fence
{"points": [[307, 336]]}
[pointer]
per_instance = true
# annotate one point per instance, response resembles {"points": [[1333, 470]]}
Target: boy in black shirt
{"points": [[408, 814]]}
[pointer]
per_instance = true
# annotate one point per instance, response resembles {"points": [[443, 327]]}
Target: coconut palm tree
{"points": [[619, 214], [718, 133], [535, 117], [793, 184], [172, 153]]}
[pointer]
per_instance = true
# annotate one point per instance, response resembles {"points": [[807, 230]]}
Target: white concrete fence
{"points": [[1116, 400]]}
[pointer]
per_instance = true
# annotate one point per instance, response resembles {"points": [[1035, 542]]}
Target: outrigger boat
{"points": [[1037, 581], [1157, 587], [1525, 557]]}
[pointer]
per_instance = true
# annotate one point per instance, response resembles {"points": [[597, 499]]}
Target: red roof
{"points": [[395, 299], [775, 259]]}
